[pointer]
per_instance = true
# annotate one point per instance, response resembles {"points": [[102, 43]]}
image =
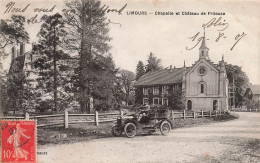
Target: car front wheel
{"points": [[130, 130], [116, 131]]}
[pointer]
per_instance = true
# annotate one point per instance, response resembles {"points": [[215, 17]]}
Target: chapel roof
{"points": [[203, 44]]}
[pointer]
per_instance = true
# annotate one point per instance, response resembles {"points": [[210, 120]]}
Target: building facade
{"points": [[203, 86], [253, 94]]}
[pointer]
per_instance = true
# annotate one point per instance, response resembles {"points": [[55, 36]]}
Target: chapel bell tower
{"points": [[203, 48]]}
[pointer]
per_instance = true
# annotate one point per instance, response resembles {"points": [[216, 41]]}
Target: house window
{"points": [[165, 90], [156, 101], [145, 91], [175, 87], [201, 88], [145, 101], [155, 90], [165, 101]]}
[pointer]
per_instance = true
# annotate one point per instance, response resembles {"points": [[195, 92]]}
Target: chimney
{"points": [[13, 52], [170, 68], [22, 48], [174, 67]]}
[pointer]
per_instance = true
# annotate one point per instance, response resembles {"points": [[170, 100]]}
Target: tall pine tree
{"points": [[139, 70], [153, 63], [49, 63], [88, 35]]}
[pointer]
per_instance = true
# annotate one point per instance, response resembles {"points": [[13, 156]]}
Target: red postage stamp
{"points": [[18, 141]]}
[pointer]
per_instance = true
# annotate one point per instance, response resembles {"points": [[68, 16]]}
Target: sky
{"points": [[168, 36]]}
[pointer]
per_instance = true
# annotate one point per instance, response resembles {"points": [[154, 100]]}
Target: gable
{"points": [[205, 63]]}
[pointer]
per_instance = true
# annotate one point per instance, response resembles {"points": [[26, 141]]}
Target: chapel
{"points": [[202, 86]]}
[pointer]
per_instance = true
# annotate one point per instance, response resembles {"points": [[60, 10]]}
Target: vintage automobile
{"points": [[157, 117]]}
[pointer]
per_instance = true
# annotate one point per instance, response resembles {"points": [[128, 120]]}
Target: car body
{"points": [[156, 118]]}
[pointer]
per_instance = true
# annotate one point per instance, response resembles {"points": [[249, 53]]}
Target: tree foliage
{"points": [[12, 31], [140, 71], [15, 91], [235, 73], [176, 100], [153, 63], [127, 78], [103, 82]]}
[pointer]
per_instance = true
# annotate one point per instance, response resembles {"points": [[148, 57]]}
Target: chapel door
{"points": [[189, 105], [215, 105]]}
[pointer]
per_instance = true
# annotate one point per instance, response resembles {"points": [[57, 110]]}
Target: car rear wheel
{"points": [[116, 131], [165, 127], [130, 130]]}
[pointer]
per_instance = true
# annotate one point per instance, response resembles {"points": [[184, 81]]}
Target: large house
{"points": [[203, 86], [20, 70]]}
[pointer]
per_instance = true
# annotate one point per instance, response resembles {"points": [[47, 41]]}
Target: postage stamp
{"points": [[18, 141]]}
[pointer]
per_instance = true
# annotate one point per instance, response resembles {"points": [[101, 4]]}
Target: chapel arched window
{"points": [[201, 88]]}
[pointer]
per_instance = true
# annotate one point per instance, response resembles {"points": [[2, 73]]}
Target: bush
{"points": [[103, 106]]}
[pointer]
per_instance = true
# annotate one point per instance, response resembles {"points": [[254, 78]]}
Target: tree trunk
{"points": [[84, 61], [55, 71]]}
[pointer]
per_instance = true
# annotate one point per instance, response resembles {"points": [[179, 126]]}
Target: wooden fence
{"points": [[96, 118], [194, 114], [245, 110]]}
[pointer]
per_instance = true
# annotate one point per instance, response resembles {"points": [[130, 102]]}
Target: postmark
{"points": [[18, 141]]}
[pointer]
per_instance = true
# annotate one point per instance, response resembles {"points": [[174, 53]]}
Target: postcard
{"points": [[130, 81]]}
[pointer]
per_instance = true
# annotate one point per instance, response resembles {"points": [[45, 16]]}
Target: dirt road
{"points": [[231, 141]]}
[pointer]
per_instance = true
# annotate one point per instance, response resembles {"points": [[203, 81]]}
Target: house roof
{"points": [[255, 89], [161, 77], [17, 64]]}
